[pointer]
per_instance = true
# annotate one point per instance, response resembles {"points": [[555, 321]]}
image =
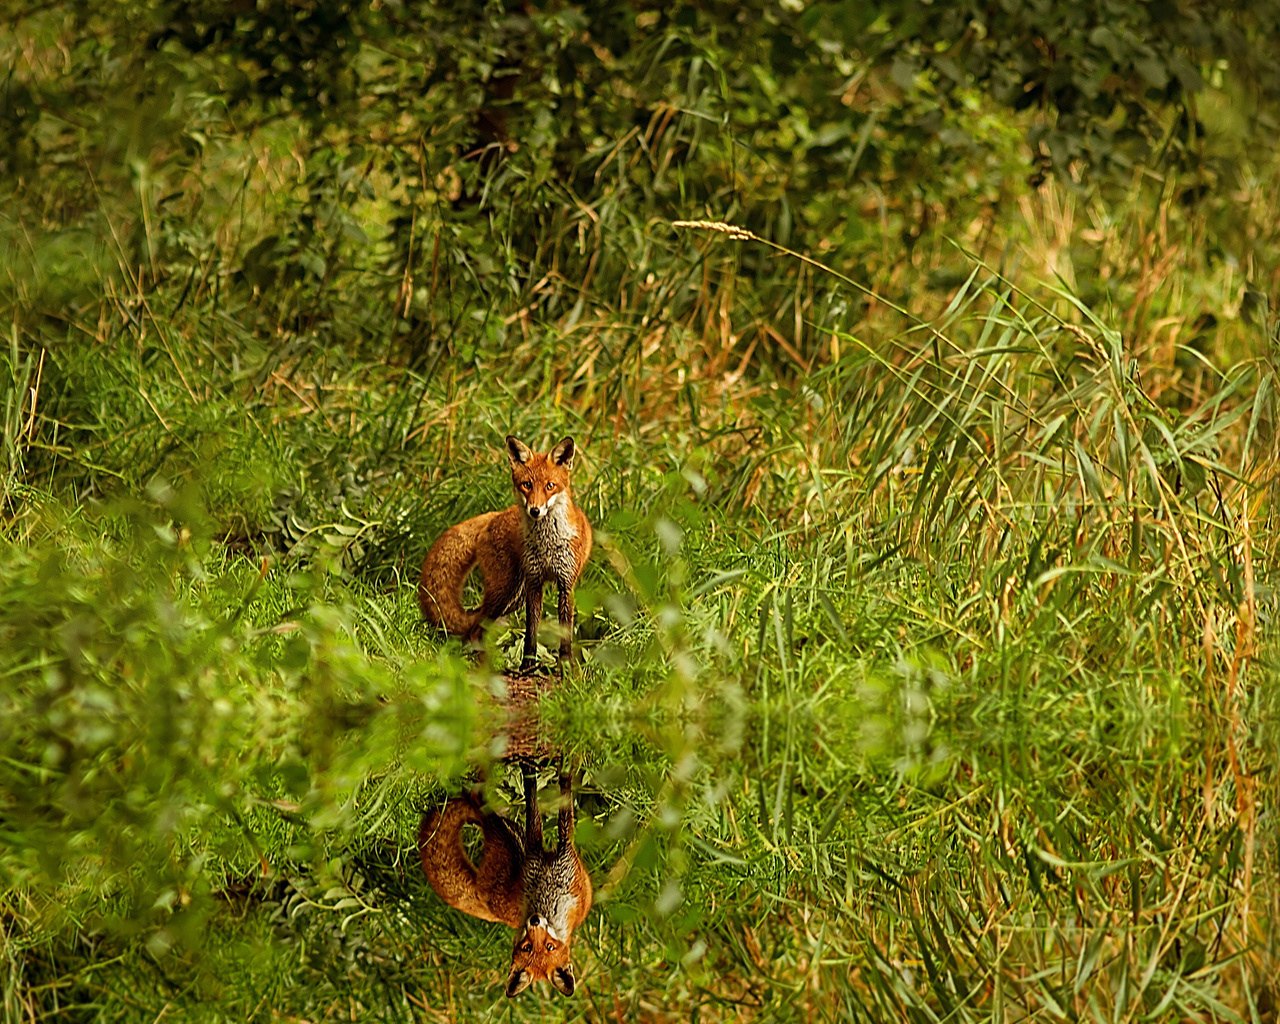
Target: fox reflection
{"points": [[544, 895]]}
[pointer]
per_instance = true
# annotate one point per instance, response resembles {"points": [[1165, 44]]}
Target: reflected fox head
{"points": [[541, 482], [540, 954]]}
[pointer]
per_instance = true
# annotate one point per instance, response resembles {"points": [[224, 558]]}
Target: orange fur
{"points": [[490, 892], [543, 538]]}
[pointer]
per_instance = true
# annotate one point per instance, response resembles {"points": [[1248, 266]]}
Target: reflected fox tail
{"points": [[490, 891], [440, 844]]}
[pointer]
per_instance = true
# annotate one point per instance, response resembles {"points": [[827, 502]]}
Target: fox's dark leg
{"points": [[502, 578], [565, 614], [492, 608], [532, 619], [565, 818], [496, 603], [498, 600], [532, 817]]}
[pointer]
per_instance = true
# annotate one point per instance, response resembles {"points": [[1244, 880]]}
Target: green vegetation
{"points": [[930, 646]]}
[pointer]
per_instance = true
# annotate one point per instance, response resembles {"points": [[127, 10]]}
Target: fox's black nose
{"points": [[534, 511], [537, 921]]}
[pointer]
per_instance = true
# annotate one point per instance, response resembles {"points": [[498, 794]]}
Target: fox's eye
{"points": [[551, 485], [551, 947], [526, 486], [526, 947]]}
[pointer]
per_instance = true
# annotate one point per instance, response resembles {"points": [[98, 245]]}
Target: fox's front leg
{"points": [[564, 818], [565, 614], [532, 619], [532, 816]]}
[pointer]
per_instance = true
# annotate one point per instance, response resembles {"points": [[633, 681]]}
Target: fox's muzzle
{"points": [[536, 512]]}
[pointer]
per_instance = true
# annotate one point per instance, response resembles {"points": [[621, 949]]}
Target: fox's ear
{"points": [[518, 982], [562, 979], [562, 454], [518, 451]]}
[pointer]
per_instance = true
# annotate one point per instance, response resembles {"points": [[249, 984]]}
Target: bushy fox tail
{"points": [[490, 891], [446, 566]]}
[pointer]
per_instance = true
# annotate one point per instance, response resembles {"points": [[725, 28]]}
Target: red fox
{"points": [[543, 895], [543, 538]]}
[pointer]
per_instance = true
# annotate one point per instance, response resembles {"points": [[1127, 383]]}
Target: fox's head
{"points": [[541, 482], [539, 954]]}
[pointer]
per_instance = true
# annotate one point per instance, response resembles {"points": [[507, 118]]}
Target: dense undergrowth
{"points": [[929, 648]]}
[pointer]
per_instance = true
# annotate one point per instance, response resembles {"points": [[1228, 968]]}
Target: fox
{"points": [[544, 895], [543, 538]]}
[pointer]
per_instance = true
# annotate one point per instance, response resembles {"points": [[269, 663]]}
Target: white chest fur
{"points": [[548, 555]]}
